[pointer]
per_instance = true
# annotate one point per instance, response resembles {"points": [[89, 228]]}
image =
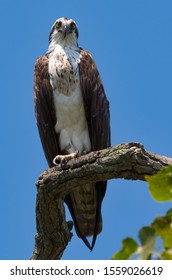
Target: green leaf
{"points": [[163, 226], [129, 247], [160, 184], [147, 236], [169, 212], [166, 255]]}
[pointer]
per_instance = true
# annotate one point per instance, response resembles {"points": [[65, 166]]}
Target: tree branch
{"points": [[128, 161]]}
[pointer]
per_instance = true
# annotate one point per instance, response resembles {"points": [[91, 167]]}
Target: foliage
{"points": [[129, 247], [160, 187]]}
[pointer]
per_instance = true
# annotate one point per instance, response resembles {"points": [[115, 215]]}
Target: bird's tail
{"points": [[85, 207]]}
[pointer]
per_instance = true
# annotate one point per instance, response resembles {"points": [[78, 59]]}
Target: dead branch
{"points": [[128, 161]]}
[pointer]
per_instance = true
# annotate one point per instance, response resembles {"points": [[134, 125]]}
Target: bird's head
{"points": [[64, 31]]}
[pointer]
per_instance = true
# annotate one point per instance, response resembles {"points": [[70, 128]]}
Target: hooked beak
{"points": [[65, 30]]}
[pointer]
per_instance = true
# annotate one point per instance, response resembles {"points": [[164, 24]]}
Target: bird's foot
{"points": [[63, 159]]}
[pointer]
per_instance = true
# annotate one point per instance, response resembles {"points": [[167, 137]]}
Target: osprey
{"points": [[72, 114]]}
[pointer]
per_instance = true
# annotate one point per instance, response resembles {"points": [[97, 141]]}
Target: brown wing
{"points": [[95, 102], [44, 109], [98, 119]]}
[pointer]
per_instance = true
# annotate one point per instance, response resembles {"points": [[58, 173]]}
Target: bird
{"points": [[73, 118]]}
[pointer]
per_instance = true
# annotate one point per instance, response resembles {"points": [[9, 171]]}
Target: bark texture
{"points": [[128, 161]]}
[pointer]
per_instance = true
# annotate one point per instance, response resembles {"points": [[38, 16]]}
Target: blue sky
{"points": [[131, 43]]}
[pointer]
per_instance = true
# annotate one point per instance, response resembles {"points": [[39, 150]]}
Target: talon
{"points": [[63, 159], [58, 159]]}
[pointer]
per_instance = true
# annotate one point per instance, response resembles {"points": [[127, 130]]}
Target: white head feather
{"points": [[64, 32]]}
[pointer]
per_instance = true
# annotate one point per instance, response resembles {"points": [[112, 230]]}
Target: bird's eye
{"points": [[58, 24], [73, 25]]}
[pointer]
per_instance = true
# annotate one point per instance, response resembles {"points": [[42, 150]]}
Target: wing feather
{"points": [[96, 103], [44, 109]]}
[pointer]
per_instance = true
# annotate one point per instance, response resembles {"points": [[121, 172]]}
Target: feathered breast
{"points": [[64, 70]]}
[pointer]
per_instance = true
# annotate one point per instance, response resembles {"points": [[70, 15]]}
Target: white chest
{"points": [[70, 115], [64, 70]]}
